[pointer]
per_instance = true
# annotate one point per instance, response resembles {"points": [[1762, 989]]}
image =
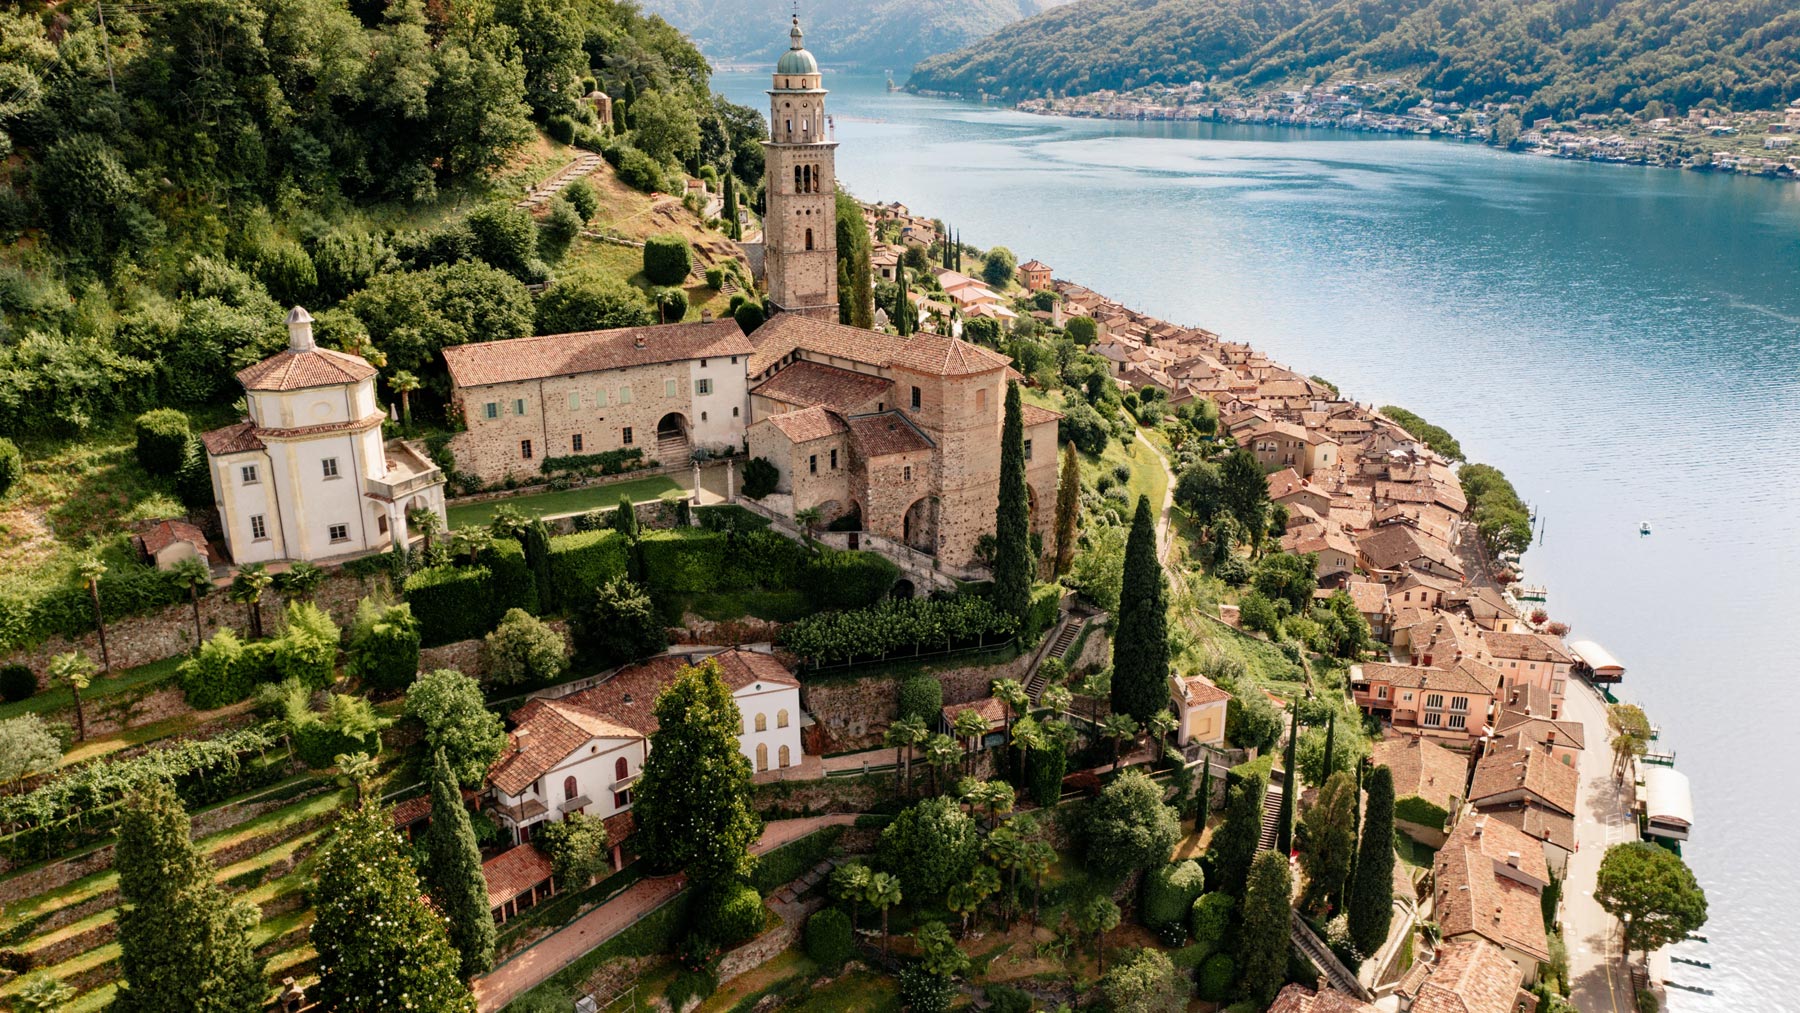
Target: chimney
{"points": [[1498, 911], [640, 342], [1480, 825], [299, 325], [1550, 738], [1512, 859], [520, 736], [706, 316]]}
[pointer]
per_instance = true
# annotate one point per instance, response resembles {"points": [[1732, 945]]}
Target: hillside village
{"points": [[896, 626]]}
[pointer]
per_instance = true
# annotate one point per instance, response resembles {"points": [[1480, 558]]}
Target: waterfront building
{"points": [[1490, 879]]}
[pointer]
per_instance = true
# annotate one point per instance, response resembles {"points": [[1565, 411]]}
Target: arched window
{"points": [[762, 756], [781, 718], [621, 769], [817, 175], [799, 184], [783, 758], [762, 722], [569, 789], [809, 239]]}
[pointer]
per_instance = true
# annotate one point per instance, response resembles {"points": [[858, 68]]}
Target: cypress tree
{"points": [[1330, 745], [732, 226], [534, 538], [631, 97], [1284, 833], [453, 873], [1267, 912], [381, 948], [1013, 565], [1234, 843], [903, 312], [693, 798], [1372, 892], [1205, 809], [184, 946], [856, 274], [1068, 508], [1141, 645]]}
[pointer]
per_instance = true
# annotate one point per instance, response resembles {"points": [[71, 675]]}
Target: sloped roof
{"points": [[552, 730], [534, 358], [514, 872], [808, 383], [1527, 647], [1473, 897], [290, 369], [1423, 768], [1300, 999], [167, 533], [1415, 677], [237, 438], [1470, 976], [1199, 691], [1510, 765], [1037, 415], [932, 354], [890, 432], [808, 424]]}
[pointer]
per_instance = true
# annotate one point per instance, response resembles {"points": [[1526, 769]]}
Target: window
{"points": [[519, 406], [574, 401], [783, 758], [248, 471], [329, 467], [569, 788], [1459, 703], [762, 756], [762, 722], [703, 386], [703, 416], [1381, 692], [575, 443], [525, 449], [625, 394], [339, 532], [1459, 721], [625, 436], [1027, 450], [622, 799], [1434, 700], [809, 239], [781, 718], [600, 397], [668, 388], [812, 464], [491, 410], [916, 398], [259, 529], [834, 460], [734, 360], [980, 397], [621, 769], [906, 473], [381, 524], [1433, 719], [734, 413]]}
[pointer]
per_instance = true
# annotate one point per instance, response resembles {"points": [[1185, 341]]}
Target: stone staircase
{"points": [[1336, 974], [792, 892], [1062, 641], [1271, 824], [672, 450], [584, 164]]}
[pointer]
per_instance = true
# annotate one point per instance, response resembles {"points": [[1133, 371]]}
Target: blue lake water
{"points": [[1623, 342]]}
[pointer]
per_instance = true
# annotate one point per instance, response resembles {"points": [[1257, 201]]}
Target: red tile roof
{"points": [[1472, 976], [296, 370], [1423, 768], [990, 708], [491, 362], [887, 433], [1412, 677], [167, 533], [237, 438], [1199, 691], [932, 354], [1037, 415], [1475, 898], [1527, 647], [1509, 766], [1300, 999], [515, 872], [808, 383], [547, 731], [808, 424]]}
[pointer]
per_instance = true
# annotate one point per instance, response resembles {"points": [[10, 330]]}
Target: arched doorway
{"points": [[902, 589], [672, 439], [848, 519], [920, 528]]}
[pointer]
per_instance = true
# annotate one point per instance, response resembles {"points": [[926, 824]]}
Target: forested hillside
{"points": [[872, 35], [1554, 58]]}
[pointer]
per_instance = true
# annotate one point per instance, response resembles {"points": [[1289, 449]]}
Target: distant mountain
{"points": [[1556, 57], [873, 35]]}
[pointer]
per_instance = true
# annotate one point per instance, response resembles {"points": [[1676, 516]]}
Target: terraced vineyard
{"points": [[71, 931]]}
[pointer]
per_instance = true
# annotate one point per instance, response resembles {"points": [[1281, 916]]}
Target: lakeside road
{"points": [[1599, 977]]}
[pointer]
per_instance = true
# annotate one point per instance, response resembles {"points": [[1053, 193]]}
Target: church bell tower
{"points": [[800, 191]]}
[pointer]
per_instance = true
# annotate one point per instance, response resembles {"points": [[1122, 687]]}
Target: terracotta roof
{"points": [[807, 383], [1389, 547], [1509, 766], [1286, 482], [412, 810], [1423, 768], [1037, 415], [1034, 265], [991, 708], [1414, 677], [1541, 731], [888, 433], [546, 733], [1369, 596], [629, 697], [1527, 647], [1198, 691], [237, 438], [1475, 898], [1300, 999], [619, 826], [490, 362], [1471, 976], [808, 424], [933, 354], [1540, 822], [314, 367], [514, 872], [167, 533]]}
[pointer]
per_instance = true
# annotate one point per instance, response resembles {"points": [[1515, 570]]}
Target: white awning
{"points": [[1667, 797], [1596, 657]]}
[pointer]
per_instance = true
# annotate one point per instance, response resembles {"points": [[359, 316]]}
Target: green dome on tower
{"points": [[796, 60]]}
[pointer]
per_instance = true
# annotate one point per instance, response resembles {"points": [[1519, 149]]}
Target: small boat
{"points": [[1644, 528]]}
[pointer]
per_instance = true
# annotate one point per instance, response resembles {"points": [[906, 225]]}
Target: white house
{"points": [[1199, 710], [306, 475], [583, 752]]}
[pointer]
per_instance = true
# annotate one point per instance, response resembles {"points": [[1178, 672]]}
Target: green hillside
{"points": [[872, 35], [1555, 58]]}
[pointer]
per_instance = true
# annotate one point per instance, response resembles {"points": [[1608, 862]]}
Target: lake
{"points": [[1623, 342]]}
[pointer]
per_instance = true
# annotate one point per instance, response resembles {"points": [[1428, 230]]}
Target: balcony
{"points": [[408, 471]]}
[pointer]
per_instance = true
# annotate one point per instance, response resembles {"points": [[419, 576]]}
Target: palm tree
{"points": [[508, 522], [426, 523], [1120, 728], [1096, 687], [195, 575], [302, 580], [882, 893], [985, 880], [995, 796], [963, 900], [404, 383], [74, 670], [473, 540], [1007, 851], [92, 569], [356, 769], [850, 883], [808, 519], [1027, 735], [903, 735], [1097, 917], [1057, 699], [942, 753], [1160, 725], [248, 587], [1038, 860], [970, 727]]}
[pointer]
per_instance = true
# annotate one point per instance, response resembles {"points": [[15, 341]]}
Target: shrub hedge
{"points": [[896, 627], [451, 603], [162, 436], [847, 580], [514, 586], [828, 940], [69, 612], [667, 259], [922, 696], [1416, 810], [608, 462], [582, 562], [1169, 894], [682, 560], [1042, 612], [17, 683]]}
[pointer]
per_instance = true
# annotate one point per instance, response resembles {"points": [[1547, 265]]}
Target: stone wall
{"points": [[466, 655], [169, 631]]}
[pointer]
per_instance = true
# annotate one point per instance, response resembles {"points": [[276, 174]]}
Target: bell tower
{"points": [[800, 189]]}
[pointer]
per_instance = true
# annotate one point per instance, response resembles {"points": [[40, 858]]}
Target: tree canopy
{"points": [[1653, 892], [693, 798]]}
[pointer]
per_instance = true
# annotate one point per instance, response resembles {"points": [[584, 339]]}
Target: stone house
{"points": [[902, 434], [1034, 275], [306, 475], [1426, 771], [1490, 879], [666, 390], [1472, 976], [1199, 708], [1523, 784], [167, 543], [1450, 704], [1536, 658]]}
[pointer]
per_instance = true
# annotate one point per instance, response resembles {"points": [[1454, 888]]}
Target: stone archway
{"points": [[672, 445], [919, 530]]}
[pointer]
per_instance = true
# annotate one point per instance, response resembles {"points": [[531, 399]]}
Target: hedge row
{"points": [[607, 462], [898, 626], [69, 612], [1046, 600], [581, 562], [451, 603], [682, 560]]}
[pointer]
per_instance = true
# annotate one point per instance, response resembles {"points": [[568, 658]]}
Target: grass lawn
{"points": [[570, 501], [58, 698], [864, 991]]}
